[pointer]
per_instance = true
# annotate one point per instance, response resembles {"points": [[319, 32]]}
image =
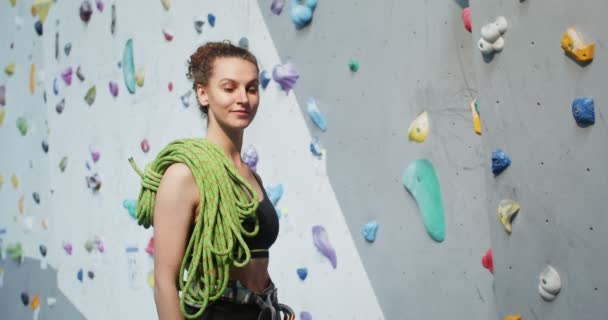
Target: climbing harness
{"points": [[217, 240]]}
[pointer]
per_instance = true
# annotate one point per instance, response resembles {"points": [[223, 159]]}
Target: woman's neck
{"points": [[230, 143]]}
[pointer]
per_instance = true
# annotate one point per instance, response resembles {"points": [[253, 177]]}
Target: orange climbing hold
{"points": [[513, 317], [35, 302], [576, 46], [32, 78]]}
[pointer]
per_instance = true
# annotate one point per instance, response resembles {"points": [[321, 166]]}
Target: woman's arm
{"points": [[176, 198]]}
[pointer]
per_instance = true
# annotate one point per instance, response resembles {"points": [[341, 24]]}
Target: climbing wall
{"points": [[557, 173]]}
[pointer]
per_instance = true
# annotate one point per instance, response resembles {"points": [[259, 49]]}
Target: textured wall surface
{"points": [[558, 174]]}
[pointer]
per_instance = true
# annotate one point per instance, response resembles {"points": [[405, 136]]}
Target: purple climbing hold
{"points": [[302, 273], [285, 75], [91, 274], [67, 76], [100, 5], [113, 88], [583, 110], [305, 315], [95, 155], [321, 241], [277, 6], [500, 161], [250, 157], [86, 10]]}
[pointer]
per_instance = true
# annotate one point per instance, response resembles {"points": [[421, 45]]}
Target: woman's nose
{"points": [[242, 96]]}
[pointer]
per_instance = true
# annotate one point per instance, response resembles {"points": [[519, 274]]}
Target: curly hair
{"points": [[200, 65]]}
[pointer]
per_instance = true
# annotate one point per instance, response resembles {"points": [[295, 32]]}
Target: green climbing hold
{"points": [[128, 66], [15, 251], [353, 65], [421, 182], [90, 96], [22, 125]]}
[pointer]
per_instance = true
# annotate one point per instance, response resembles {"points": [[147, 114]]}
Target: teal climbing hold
{"points": [[128, 66], [421, 182]]}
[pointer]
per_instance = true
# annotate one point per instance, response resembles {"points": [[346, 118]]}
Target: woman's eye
{"points": [[253, 90], [229, 89]]}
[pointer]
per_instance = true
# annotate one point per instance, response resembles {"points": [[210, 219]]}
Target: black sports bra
{"points": [[268, 230]]}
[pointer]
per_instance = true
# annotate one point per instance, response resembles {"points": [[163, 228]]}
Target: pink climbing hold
{"points": [[67, 247], [168, 35], [150, 247], [487, 261], [170, 86], [145, 145], [466, 18]]}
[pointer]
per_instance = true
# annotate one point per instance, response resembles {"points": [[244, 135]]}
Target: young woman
{"points": [[225, 79]]}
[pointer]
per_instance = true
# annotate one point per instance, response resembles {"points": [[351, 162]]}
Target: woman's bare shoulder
{"points": [[179, 178]]}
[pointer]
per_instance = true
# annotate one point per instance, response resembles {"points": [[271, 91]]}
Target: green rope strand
{"points": [[217, 240]]}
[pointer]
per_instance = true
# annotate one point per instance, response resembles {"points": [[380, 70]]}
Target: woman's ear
{"points": [[201, 95]]}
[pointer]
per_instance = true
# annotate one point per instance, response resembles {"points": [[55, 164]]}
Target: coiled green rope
{"points": [[217, 241]]}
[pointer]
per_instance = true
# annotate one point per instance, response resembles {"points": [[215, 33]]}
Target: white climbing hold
{"points": [[550, 283], [502, 24], [484, 46], [490, 32]]}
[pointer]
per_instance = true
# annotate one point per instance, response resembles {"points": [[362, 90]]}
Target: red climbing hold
{"points": [[466, 18], [170, 86], [487, 261]]}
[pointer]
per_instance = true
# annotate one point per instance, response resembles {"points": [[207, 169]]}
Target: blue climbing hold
{"points": [[80, 275], [305, 315], [301, 14], [315, 114], [264, 79], [128, 66], [369, 230], [583, 111], [211, 19], [302, 273], [500, 161], [315, 148], [130, 205], [275, 193]]}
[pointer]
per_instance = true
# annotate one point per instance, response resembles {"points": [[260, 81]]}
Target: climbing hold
{"points": [[15, 251], [170, 86], [419, 128], [25, 298], [2, 115], [113, 23], [369, 230], [15, 181], [100, 5], [21, 204], [487, 261], [100, 247], [13, 2], [88, 245], [44, 222], [95, 155], [2, 95], [353, 65], [277, 6], [63, 164], [583, 111], [315, 114], [67, 76], [285, 75], [22, 125], [421, 181], [60, 106], [32, 78], [1, 183], [302, 273], [576, 46], [476, 119], [301, 14], [500, 161], [185, 98], [145, 145], [211, 19], [150, 247], [50, 301], [140, 76], [41, 8], [130, 205], [305, 315], [501, 24], [91, 274], [45, 146], [491, 36], [498, 45], [513, 317], [244, 43], [275, 193], [315, 148], [199, 22], [89, 98], [168, 35], [67, 48], [250, 157], [10, 69], [128, 66], [466, 18], [85, 11], [79, 73], [36, 197], [113, 88], [151, 278], [264, 79], [67, 247], [166, 4], [35, 302], [490, 32], [55, 86], [80, 275], [321, 241], [550, 283], [42, 250], [507, 210], [94, 182], [38, 27]]}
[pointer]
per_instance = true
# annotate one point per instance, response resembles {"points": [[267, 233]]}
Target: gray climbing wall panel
{"points": [[414, 56], [558, 174]]}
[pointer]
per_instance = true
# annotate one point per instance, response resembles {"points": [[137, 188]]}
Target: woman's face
{"points": [[232, 93]]}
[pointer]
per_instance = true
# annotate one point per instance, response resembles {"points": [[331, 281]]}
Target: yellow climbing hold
{"points": [[15, 181], [513, 317], [140, 75], [10, 69], [13, 2], [21, 204], [1, 181], [151, 278], [2, 114], [32, 78], [507, 209], [35, 302], [476, 119], [166, 4], [576, 46], [41, 8], [419, 129]]}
